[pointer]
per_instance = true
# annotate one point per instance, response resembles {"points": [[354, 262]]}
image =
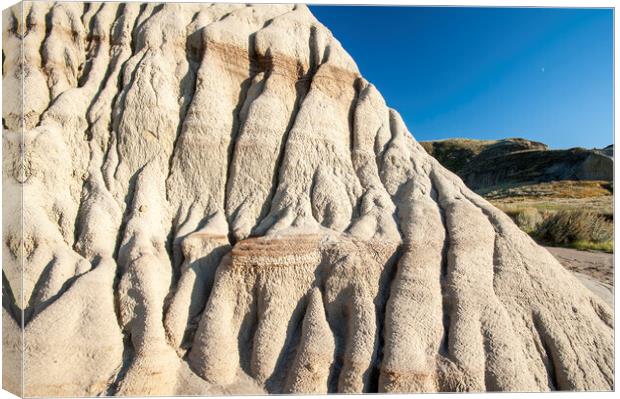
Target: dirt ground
{"points": [[599, 265], [594, 269]]}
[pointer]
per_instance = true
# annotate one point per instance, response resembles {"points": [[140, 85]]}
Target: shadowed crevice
{"points": [[193, 57], [302, 88], [388, 277], [237, 125], [93, 48], [444, 346], [87, 133], [546, 354], [43, 56], [358, 86], [9, 302]]}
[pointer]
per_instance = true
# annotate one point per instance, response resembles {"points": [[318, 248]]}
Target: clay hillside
{"points": [[215, 201]]}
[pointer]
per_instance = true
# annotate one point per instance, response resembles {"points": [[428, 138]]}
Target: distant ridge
{"points": [[486, 163]]}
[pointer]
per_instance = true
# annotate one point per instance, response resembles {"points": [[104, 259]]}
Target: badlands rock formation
{"points": [[215, 201]]}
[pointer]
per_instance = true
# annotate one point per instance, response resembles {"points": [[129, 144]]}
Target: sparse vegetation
{"points": [[553, 212], [566, 189], [567, 227], [584, 230], [607, 246], [528, 219], [454, 154]]}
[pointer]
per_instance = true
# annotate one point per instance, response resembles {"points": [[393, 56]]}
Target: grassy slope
{"points": [[454, 154], [548, 198], [596, 196]]}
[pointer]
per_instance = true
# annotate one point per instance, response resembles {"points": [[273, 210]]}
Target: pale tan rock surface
{"points": [[216, 202]]}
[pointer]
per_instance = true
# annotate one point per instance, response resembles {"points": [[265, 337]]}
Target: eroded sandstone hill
{"points": [[215, 201]]}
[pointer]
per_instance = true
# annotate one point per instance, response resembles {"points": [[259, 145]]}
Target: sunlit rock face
{"points": [[215, 201]]}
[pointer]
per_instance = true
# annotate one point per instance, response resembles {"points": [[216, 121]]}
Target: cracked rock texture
{"points": [[215, 201]]}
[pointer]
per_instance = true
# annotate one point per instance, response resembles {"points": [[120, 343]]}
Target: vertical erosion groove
{"points": [[444, 348], [112, 136], [358, 85], [546, 354], [494, 223], [132, 180], [254, 67], [114, 133], [122, 92], [302, 87], [391, 271], [93, 43], [43, 55], [193, 57], [496, 257], [81, 81]]}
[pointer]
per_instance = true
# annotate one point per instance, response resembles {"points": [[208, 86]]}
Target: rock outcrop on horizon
{"points": [[215, 201], [483, 164]]}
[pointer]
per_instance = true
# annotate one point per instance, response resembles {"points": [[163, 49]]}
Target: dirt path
{"points": [[599, 265], [594, 269]]}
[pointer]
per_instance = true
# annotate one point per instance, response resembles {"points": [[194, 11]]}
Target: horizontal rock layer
{"points": [[215, 201]]}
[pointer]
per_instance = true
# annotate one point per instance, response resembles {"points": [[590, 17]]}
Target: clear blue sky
{"points": [[545, 74]]}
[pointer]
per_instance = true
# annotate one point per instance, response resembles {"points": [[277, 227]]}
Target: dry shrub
{"points": [[566, 227], [527, 219]]}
